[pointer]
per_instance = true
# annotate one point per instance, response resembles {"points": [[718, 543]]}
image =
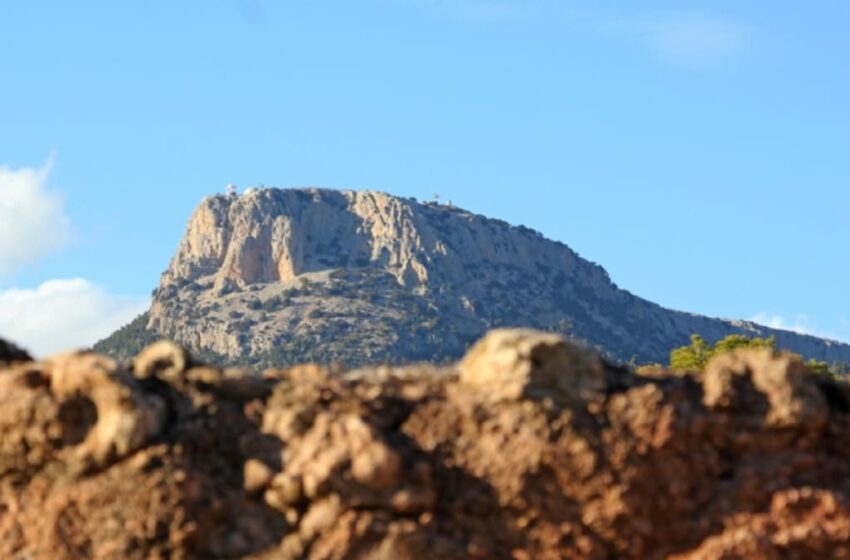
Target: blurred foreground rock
{"points": [[530, 448], [11, 353]]}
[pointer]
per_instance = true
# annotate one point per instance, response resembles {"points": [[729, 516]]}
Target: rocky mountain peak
{"points": [[282, 276], [273, 235]]}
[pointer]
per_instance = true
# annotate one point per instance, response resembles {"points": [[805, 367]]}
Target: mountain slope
{"points": [[277, 276]]}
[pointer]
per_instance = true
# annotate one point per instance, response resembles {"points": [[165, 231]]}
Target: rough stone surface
{"points": [[163, 359], [278, 277], [780, 381], [511, 363], [571, 459]]}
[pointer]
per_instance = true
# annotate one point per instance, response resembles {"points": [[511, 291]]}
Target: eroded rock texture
{"points": [[283, 276], [529, 449]]}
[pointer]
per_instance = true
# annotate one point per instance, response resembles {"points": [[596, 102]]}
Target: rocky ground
{"points": [[528, 448]]}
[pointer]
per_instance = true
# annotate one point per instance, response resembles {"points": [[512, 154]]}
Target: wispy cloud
{"points": [[691, 41], [32, 217], [799, 324], [479, 11], [63, 314], [695, 42]]}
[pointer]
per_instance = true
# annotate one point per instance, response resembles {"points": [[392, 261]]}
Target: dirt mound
{"points": [[498, 457]]}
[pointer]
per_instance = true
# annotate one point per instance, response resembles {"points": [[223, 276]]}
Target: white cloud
{"points": [[63, 314], [799, 324], [692, 41], [32, 219]]}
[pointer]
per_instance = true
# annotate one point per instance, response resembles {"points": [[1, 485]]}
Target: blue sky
{"points": [[697, 150]]}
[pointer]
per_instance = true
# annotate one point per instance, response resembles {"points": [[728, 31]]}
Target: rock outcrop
{"points": [[11, 353], [286, 276], [529, 448]]}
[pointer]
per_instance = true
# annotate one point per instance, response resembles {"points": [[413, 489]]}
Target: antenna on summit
{"points": [[230, 190]]}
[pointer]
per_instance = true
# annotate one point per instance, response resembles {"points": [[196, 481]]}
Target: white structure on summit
{"points": [[231, 189]]}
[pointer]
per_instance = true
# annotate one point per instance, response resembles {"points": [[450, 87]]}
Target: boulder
{"points": [[509, 364]]}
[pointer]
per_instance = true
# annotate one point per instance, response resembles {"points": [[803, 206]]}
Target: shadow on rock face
{"points": [[10, 353], [77, 416]]}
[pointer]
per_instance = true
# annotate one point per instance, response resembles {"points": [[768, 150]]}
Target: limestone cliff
{"points": [[278, 276]]}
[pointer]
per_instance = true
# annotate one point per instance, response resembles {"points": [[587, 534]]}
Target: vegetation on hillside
{"points": [[129, 340], [696, 355]]}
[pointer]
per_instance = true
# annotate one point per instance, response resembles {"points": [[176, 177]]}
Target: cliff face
{"points": [[278, 276], [527, 448], [275, 235]]}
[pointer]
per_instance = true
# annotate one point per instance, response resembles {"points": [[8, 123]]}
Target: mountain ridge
{"points": [[317, 274]]}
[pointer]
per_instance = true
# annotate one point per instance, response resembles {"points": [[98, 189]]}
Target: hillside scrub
{"points": [[696, 355]]}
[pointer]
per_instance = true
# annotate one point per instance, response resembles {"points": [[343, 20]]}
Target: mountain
{"points": [[285, 276]]}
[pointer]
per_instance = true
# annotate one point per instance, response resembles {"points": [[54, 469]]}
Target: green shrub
{"points": [[697, 354]]}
